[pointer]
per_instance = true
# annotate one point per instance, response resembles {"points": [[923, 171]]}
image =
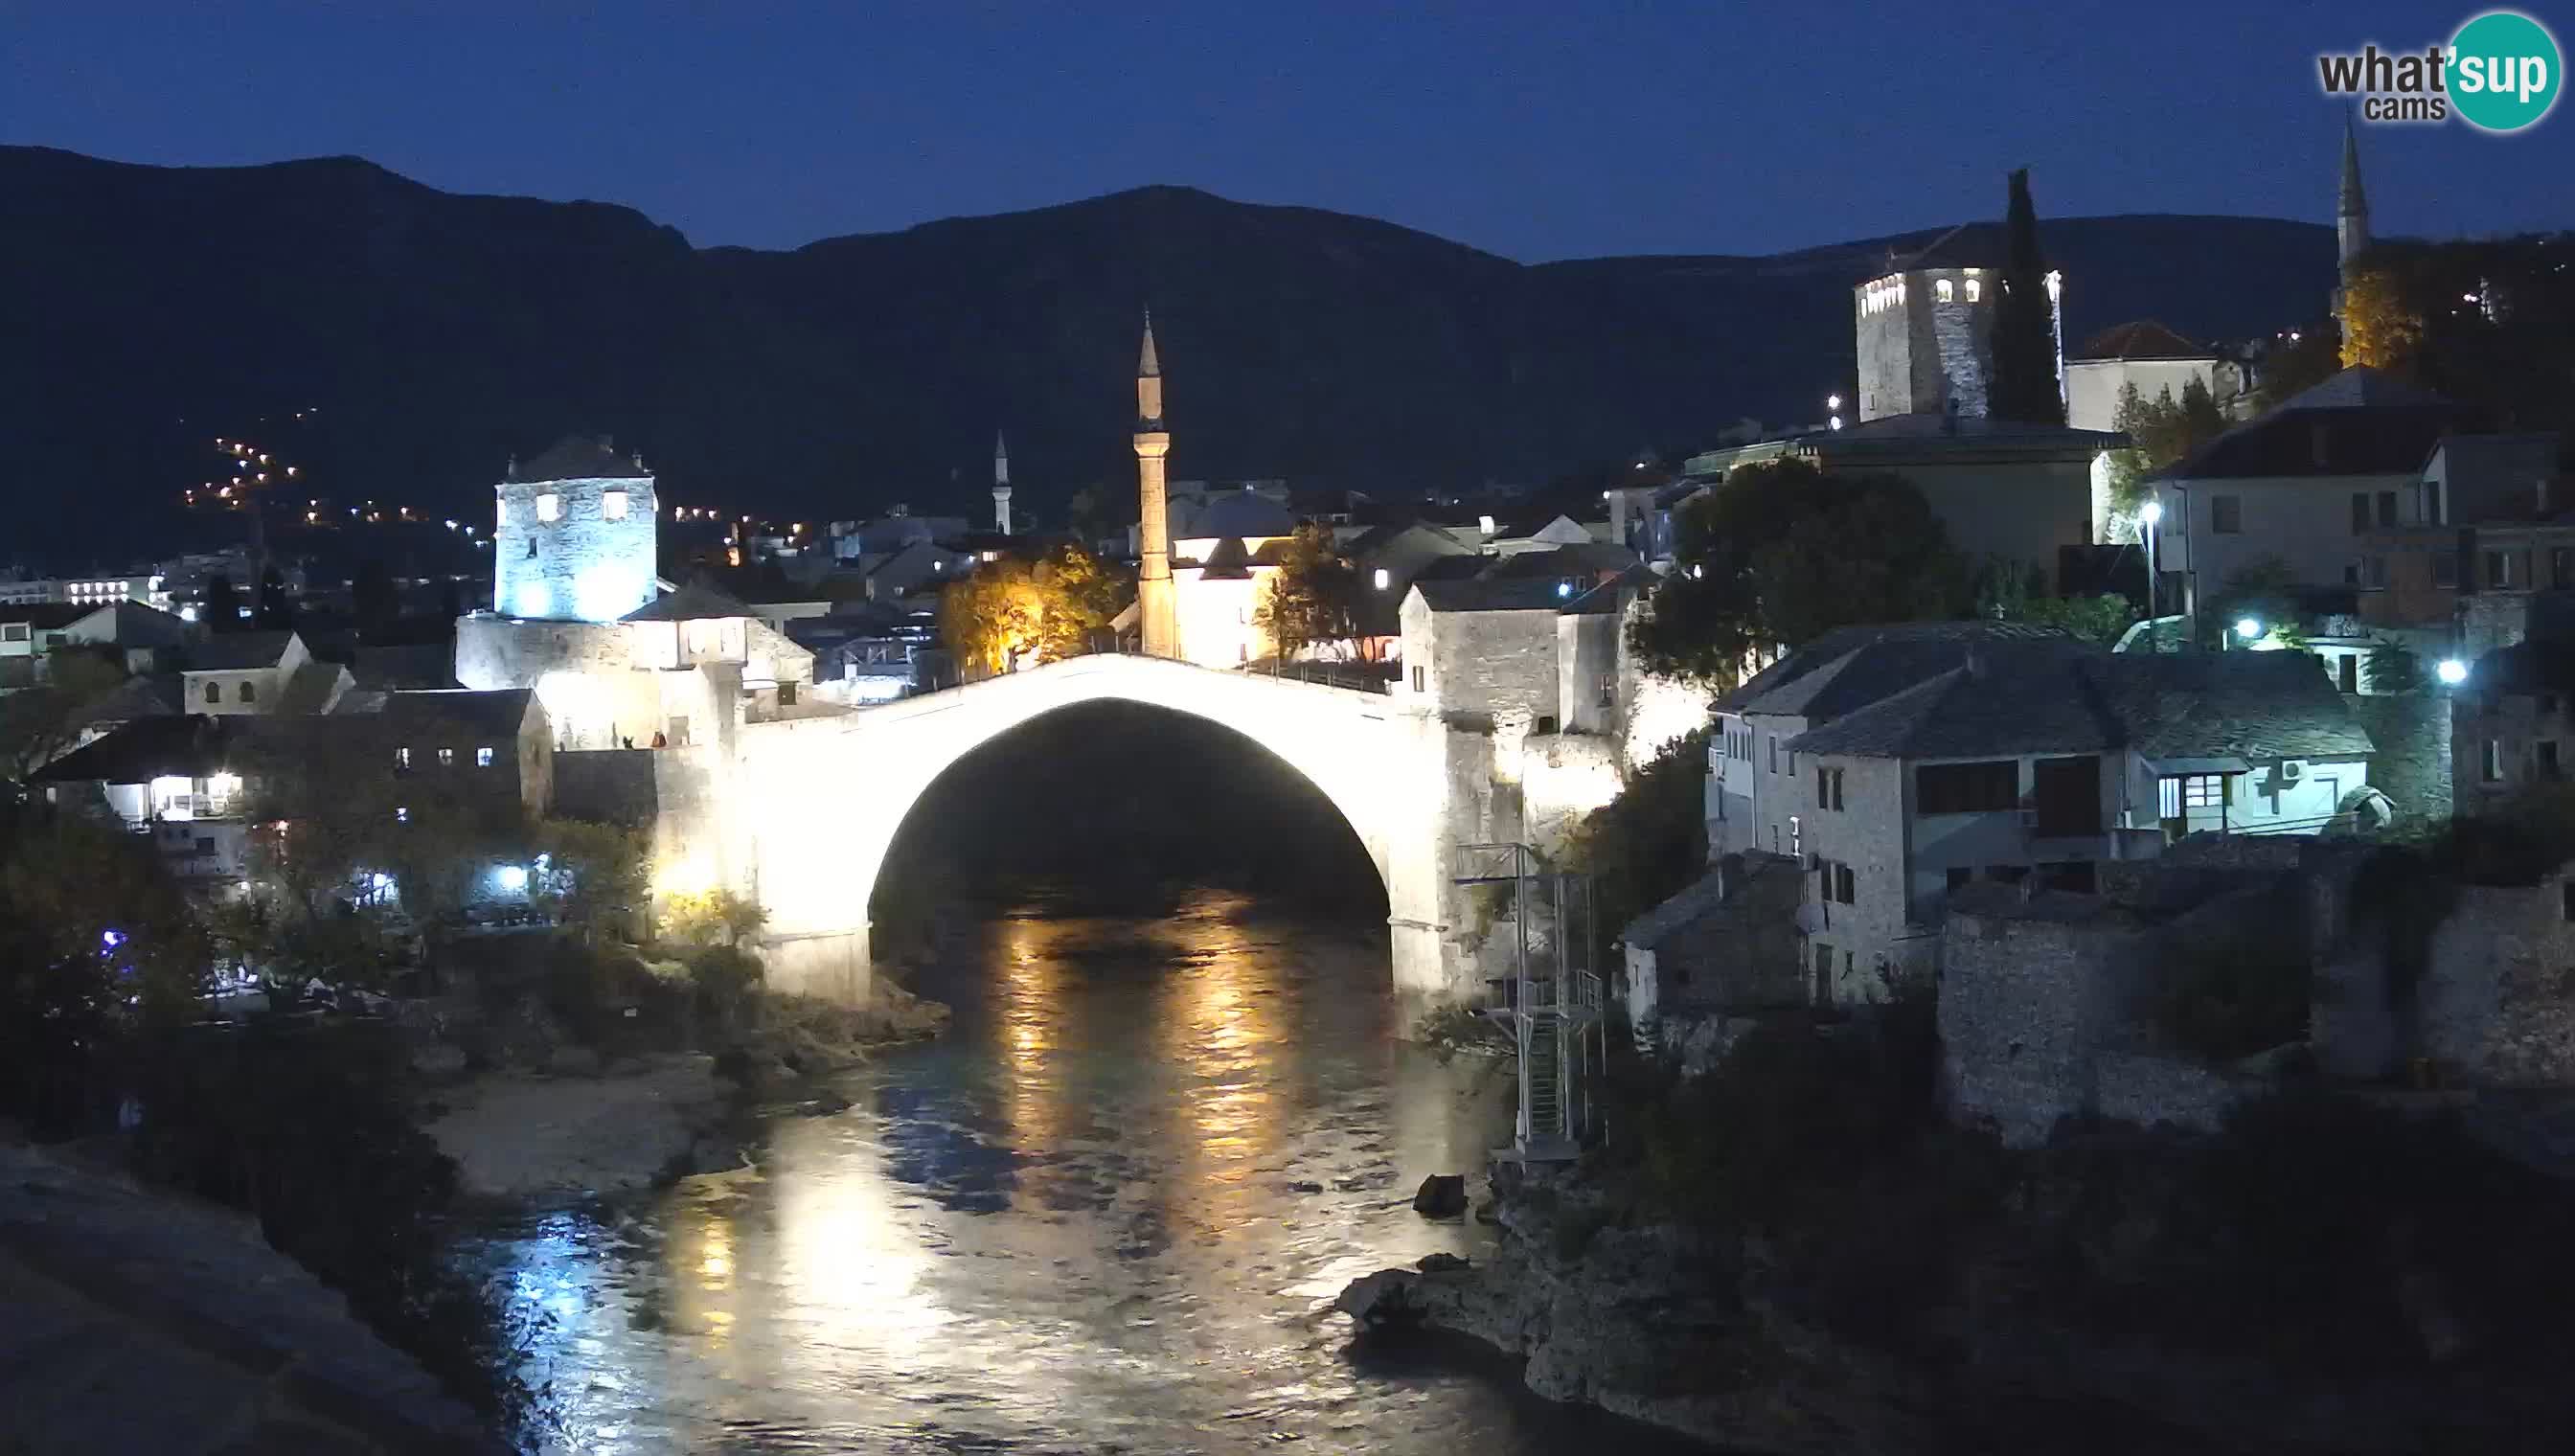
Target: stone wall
{"points": [[2412, 764], [579, 565], [2148, 1091], [2496, 1003], [1562, 777], [2025, 1004], [607, 786]]}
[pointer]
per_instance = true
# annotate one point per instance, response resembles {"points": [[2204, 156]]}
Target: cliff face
{"points": [[151, 310], [2078, 1310]]}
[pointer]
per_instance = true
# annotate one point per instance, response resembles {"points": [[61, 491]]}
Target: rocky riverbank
{"points": [[140, 1320], [2079, 1312]]}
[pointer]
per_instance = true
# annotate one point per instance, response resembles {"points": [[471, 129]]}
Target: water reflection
{"points": [[1086, 1220]]}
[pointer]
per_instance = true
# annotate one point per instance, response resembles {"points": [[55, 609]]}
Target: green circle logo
{"points": [[2505, 71]]}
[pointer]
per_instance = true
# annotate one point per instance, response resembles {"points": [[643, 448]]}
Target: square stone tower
{"points": [[575, 539], [1925, 331]]}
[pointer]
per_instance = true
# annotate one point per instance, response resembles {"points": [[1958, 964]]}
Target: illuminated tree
{"points": [[1315, 596], [1079, 596], [2162, 432], [2381, 327], [2024, 338], [1011, 613]]}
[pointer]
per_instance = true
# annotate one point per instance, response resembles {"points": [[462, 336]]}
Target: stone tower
{"points": [[574, 538], [1924, 329], [2351, 217], [1156, 617], [1000, 485]]}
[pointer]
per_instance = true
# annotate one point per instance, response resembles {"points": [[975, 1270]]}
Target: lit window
{"points": [[1381, 579], [1975, 289], [611, 506], [403, 816], [1944, 290], [549, 506], [482, 757], [402, 757], [447, 757], [2203, 791]]}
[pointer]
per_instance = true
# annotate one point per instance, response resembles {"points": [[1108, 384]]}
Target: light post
{"points": [[2148, 517]]}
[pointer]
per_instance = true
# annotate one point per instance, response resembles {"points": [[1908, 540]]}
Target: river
{"points": [[1108, 1212]]}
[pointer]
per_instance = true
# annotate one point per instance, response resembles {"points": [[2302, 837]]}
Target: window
{"points": [[214, 693], [1829, 789], [13, 631], [2498, 569], [483, 758], [1775, 756], [2491, 766], [786, 695], [1793, 763], [2226, 515], [1958, 788], [2387, 507], [2545, 752], [1823, 974], [2373, 572], [447, 757], [549, 506], [2446, 570], [248, 691], [1844, 885], [612, 504], [401, 759], [1975, 289], [1796, 835], [2347, 667], [1944, 289], [1958, 876], [2359, 511], [2205, 790], [1419, 674]]}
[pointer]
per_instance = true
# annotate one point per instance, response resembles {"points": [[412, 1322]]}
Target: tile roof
{"points": [[44, 614], [417, 664], [2010, 699], [2359, 422], [237, 651], [689, 604], [1900, 654], [1526, 594], [149, 748], [494, 713], [2145, 338], [582, 458], [1588, 558]]}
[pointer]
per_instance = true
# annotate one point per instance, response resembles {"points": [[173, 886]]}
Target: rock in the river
{"points": [[1381, 1298], [1440, 1263], [1442, 1195]]}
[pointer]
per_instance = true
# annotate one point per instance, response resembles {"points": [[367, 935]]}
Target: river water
{"points": [[1108, 1212]]}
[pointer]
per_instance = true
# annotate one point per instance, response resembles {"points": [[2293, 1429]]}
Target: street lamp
{"points": [[2247, 628], [2452, 671], [2150, 516]]}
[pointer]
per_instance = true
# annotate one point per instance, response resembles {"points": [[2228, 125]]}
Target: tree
{"points": [[274, 612], [40, 724], [2297, 364], [2161, 432], [711, 918], [2382, 327], [2391, 667], [1009, 613], [222, 604], [372, 600], [1780, 552], [1079, 595], [2009, 591], [593, 877], [1315, 596], [2027, 386]]}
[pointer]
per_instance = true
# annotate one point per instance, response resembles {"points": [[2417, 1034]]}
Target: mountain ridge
{"points": [[438, 332]]}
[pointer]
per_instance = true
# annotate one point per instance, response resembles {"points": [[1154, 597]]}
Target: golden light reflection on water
{"points": [[1221, 1023], [1030, 1025]]}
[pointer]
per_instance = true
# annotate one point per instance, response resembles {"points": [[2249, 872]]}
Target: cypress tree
{"points": [[2024, 338]]}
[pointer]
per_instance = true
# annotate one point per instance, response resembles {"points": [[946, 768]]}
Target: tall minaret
{"points": [[1154, 613], [1000, 485], [2351, 216]]}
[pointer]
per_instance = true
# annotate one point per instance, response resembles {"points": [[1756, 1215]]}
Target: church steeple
{"points": [[1000, 485], [1157, 612]]}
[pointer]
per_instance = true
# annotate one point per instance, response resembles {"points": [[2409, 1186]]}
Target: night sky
{"points": [[1533, 128]]}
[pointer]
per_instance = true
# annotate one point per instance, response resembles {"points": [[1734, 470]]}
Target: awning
{"points": [[2186, 767]]}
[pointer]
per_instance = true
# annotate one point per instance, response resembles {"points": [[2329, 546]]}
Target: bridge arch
{"points": [[814, 804]]}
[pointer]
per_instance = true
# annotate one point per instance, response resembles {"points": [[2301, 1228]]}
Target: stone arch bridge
{"points": [[800, 815]]}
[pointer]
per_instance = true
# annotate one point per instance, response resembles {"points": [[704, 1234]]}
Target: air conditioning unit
{"points": [[2290, 771]]}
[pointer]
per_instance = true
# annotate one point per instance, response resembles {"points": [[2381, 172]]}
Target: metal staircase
{"points": [[1550, 998]]}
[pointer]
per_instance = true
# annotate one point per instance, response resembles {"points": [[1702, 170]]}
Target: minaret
{"points": [[1154, 613], [2351, 216], [1000, 485]]}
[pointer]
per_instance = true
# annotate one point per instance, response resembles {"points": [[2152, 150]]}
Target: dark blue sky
{"points": [[1536, 129]]}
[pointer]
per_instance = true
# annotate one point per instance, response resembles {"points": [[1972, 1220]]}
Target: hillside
{"points": [[152, 308]]}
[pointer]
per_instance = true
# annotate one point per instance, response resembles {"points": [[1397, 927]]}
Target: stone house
{"points": [[259, 673], [1484, 651], [2512, 723], [1727, 945], [2310, 483], [1752, 800], [2488, 528], [2046, 759]]}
